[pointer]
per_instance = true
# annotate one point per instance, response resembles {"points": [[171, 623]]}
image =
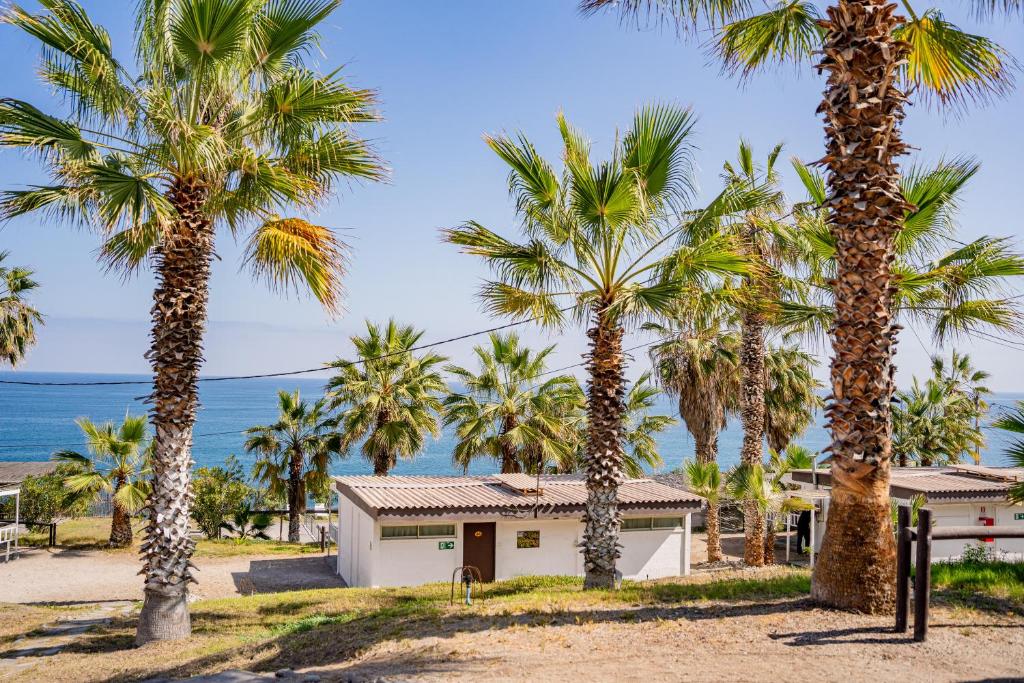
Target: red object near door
{"points": [[987, 521]]}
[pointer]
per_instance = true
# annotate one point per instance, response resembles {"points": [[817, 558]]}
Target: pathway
{"points": [[54, 637]]}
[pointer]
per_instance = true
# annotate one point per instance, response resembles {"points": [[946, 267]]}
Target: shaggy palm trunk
{"points": [[863, 109], [605, 412], [769, 542], [509, 453], [121, 525], [182, 267], [752, 413], [381, 458], [296, 497], [707, 451]]}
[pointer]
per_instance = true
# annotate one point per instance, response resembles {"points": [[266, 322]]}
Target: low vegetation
{"points": [[967, 580], [329, 627], [92, 533]]}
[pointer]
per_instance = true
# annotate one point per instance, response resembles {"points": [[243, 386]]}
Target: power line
{"points": [[306, 371], [78, 443]]}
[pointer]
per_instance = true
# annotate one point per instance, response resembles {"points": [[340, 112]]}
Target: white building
{"points": [[399, 531], [961, 495]]}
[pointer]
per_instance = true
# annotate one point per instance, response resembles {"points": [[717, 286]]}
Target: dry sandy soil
{"points": [[782, 641]]}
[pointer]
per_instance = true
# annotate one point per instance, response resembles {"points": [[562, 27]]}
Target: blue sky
{"points": [[446, 72]]}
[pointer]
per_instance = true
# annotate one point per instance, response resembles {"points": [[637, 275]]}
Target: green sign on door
{"points": [[1018, 515], [446, 545]]}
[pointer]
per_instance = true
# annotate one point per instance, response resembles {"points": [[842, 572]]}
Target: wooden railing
{"points": [[923, 535]]}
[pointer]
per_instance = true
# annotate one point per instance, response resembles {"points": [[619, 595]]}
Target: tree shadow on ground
{"points": [[332, 645]]}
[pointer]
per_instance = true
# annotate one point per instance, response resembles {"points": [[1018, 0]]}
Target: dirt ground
{"points": [[783, 641], [68, 576]]}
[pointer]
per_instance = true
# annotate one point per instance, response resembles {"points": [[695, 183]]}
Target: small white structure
{"points": [[960, 495], [401, 531], [9, 532]]}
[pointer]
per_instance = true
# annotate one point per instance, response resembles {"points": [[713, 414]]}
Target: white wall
{"points": [[558, 554], [653, 554], [367, 560], [414, 561], [1004, 517]]}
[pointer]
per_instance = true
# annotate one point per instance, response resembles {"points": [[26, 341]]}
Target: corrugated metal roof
{"points": [[15, 472], [934, 482], [566, 493]]}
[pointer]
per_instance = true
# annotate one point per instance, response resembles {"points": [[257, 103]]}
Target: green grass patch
{"points": [[993, 579]]}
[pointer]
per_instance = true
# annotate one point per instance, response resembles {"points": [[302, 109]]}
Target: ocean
{"points": [[35, 421]]}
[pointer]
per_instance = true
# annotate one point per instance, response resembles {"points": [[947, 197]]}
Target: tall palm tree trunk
{"points": [[605, 412], [509, 453], [182, 266], [707, 451], [752, 412], [296, 499], [121, 524], [863, 109], [381, 458]]}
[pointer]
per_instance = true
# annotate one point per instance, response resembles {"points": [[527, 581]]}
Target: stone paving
{"points": [[54, 637]]}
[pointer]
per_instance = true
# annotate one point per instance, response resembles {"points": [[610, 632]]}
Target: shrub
{"points": [[219, 493], [45, 500]]}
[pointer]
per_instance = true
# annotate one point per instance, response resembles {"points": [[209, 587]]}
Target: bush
{"points": [[219, 493], [44, 499]]}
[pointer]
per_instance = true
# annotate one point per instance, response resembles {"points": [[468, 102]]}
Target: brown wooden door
{"points": [[478, 548]]}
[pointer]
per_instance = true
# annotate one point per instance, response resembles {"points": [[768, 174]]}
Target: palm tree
{"points": [[939, 421], [705, 479], [929, 277], [640, 428], [699, 366], [1013, 421], [872, 57], [506, 412], [117, 464], [592, 233], [295, 453], [791, 395], [964, 379], [756, 229], [388, 396], [221, 124], [18, 319]]}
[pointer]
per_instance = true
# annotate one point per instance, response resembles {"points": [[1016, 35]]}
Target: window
{"points": [[648, 523], [528, 539], [418, 531]]}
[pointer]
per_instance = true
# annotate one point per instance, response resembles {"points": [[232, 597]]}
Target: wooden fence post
{"points": [[902, 568], [922, 574]]}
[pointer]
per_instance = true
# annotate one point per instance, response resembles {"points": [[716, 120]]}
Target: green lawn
{"points": [[92, 533], [964, 580]]}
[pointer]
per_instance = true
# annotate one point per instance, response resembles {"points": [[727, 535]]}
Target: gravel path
{"points": [[781, 641], [72, 576]]}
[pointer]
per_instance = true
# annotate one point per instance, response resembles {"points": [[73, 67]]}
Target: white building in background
{"points": [[961, 495], [401, 531]]}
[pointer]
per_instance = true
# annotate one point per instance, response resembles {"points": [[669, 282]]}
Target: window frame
{"points": [[419, 533], [679, 523]]}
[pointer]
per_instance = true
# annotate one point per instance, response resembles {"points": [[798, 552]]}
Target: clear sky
{"points": [[448, 71]]}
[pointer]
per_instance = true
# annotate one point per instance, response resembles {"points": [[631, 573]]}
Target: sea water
{"points": [[35, 421]]}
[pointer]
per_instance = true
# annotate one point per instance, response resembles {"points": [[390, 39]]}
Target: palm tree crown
{"points": [[295, 453], [953, 287], [117, 464], [945, 63], [507, 412], [18, 319], [389, 397], [598, 234]]}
